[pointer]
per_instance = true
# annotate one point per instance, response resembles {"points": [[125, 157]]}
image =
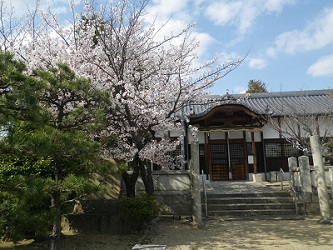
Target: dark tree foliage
{"points": [[49, 122]]}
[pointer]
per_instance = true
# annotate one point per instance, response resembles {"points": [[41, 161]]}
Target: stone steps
{"points": [[253, 194], [251, 205], [250, 200]]}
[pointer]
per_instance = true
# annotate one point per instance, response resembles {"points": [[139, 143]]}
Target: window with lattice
{"points": [[280, 149], [273, 149], [176, 152], [219, 154], [289, 150]]}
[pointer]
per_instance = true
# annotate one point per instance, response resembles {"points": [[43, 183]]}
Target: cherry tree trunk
{"points": [[323, 197], [130, 181], [147, 178]]}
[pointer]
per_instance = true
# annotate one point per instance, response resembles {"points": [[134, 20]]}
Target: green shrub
{"points": [[142, 208]]}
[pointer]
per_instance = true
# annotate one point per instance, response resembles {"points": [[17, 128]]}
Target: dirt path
{"points": [[287, 235]]}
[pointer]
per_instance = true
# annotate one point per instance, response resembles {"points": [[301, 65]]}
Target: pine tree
{"points": [[256, 86], [54, 115]]}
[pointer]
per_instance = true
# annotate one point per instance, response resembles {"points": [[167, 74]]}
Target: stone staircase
{"points": [[251, 204]]}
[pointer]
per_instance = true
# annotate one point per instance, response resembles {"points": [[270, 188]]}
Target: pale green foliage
{"points": [[256, 86]]}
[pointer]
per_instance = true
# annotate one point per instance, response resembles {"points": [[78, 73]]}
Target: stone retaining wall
{"points": [[173, 189]]}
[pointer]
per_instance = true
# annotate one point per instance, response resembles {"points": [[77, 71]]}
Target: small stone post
{"points": [[196, 197], [292, 163], [323, 197], [330, 171], [304, 168]]}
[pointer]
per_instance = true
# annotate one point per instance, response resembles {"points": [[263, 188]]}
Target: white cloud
{"points": [[239, 90], [170, 14], [224, 13], [19, 7], [316, 35], [226, 56], [276, 5], [205, 41], [166, 9], [323, 67], [243, 13], [257, 63], [176, 15], [271, 52]]}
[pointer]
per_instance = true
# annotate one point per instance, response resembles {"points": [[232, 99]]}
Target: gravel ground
{"points": [[219, 234], [264, 234]]}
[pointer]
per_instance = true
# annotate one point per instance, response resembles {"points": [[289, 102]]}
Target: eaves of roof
{"points": [[274, 103]]}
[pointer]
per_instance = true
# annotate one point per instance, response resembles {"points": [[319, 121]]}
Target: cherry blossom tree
{"points": [[150, 80]]}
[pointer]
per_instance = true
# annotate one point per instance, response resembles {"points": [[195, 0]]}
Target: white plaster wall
{"points": [[270, 133], [326, 127], [257, 136], [287, 126], [293, 129], [199, 136], [167, 181], [161, 134], [217, 135], [176, 133], [236, 135]]}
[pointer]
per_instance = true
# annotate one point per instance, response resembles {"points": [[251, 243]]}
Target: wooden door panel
{"points": [[220, 161], [220, 173], [238, 172], [237, 159]]}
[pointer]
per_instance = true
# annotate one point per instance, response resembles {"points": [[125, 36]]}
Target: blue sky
{"points": [[290, 42]]}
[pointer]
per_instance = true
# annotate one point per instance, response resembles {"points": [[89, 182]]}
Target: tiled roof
{"points": [[275, 103]]}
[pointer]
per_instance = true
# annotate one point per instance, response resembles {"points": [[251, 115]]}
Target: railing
{"points": [[204, 191], [294, 193]]}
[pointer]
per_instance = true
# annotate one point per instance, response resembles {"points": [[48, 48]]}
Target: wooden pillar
{"points": [[246, 163], [208, 155], [254, 151], [280, 129], [229, 159], [264, 154]]}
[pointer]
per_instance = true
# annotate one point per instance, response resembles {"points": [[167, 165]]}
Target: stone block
{"points": [[273, 176], [150, 247], [305, 175]]}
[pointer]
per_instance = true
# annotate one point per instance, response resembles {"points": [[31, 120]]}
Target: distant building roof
{"points": [[273, 103]]}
